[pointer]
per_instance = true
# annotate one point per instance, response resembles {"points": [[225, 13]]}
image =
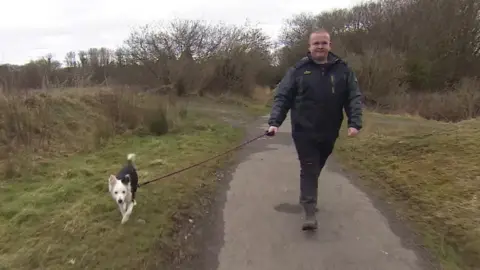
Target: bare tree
{"points": [[71, 59]]}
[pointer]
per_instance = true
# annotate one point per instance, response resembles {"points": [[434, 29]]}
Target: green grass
{"points": [[430, 171], [60, 216]]}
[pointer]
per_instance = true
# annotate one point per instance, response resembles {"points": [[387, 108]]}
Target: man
{"points": [[316, 89]]}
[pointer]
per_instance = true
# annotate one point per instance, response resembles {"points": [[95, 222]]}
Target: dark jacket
{"points": [[316, 95]]}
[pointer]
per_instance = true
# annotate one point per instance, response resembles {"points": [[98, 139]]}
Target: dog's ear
{"points": [[112, 180], [126, 179]]}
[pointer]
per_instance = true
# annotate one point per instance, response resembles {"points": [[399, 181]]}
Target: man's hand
{"points": [[352, 132], [272, 131]]}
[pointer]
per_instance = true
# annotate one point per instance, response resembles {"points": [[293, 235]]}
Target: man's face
{"points": [[319, 45]]}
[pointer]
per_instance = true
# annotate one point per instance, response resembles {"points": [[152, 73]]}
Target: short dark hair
{"points": [[319, 31]]}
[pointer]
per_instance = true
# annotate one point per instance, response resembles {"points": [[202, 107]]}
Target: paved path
{"points": [[262, 220]]}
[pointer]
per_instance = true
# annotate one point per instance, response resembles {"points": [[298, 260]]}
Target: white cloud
{"points": [[30, 28]]}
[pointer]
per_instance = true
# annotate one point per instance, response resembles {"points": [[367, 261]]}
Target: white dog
{"points": [[123, 186]]}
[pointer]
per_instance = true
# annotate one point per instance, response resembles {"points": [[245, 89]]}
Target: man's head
{"points": [[319, 45]]}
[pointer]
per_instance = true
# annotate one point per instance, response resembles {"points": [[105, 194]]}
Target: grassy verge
{"points": [[57, 213], [259, 104], [429, 170]]}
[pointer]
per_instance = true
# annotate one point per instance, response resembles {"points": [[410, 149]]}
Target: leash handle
{"points": [[269, 133]]}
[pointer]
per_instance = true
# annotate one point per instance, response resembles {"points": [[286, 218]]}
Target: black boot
{"points": [[310, 222]]}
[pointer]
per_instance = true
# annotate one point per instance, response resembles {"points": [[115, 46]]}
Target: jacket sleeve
{"points": [[353, 104], [283, 99]]}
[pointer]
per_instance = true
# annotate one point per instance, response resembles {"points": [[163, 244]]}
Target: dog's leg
{"points": [[133, 198], [129, 210], [127, 214], [120, 207], [125, 219]]}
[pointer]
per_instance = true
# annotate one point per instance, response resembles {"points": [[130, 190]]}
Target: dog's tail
{"points": [[130, 158]]}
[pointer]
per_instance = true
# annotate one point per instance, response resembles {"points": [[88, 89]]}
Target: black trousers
{"points": [[312, 154]]}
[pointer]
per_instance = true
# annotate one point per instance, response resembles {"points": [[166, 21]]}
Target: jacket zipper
{"points": [[332, 80]]}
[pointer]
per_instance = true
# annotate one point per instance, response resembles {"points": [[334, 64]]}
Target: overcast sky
{"points": [[31, 28]]}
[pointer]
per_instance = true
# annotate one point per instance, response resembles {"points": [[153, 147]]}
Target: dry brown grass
{"points": [[262, 94], [385, 81], [457, 103], [431, 170], [257, 103], [65, 121]]}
